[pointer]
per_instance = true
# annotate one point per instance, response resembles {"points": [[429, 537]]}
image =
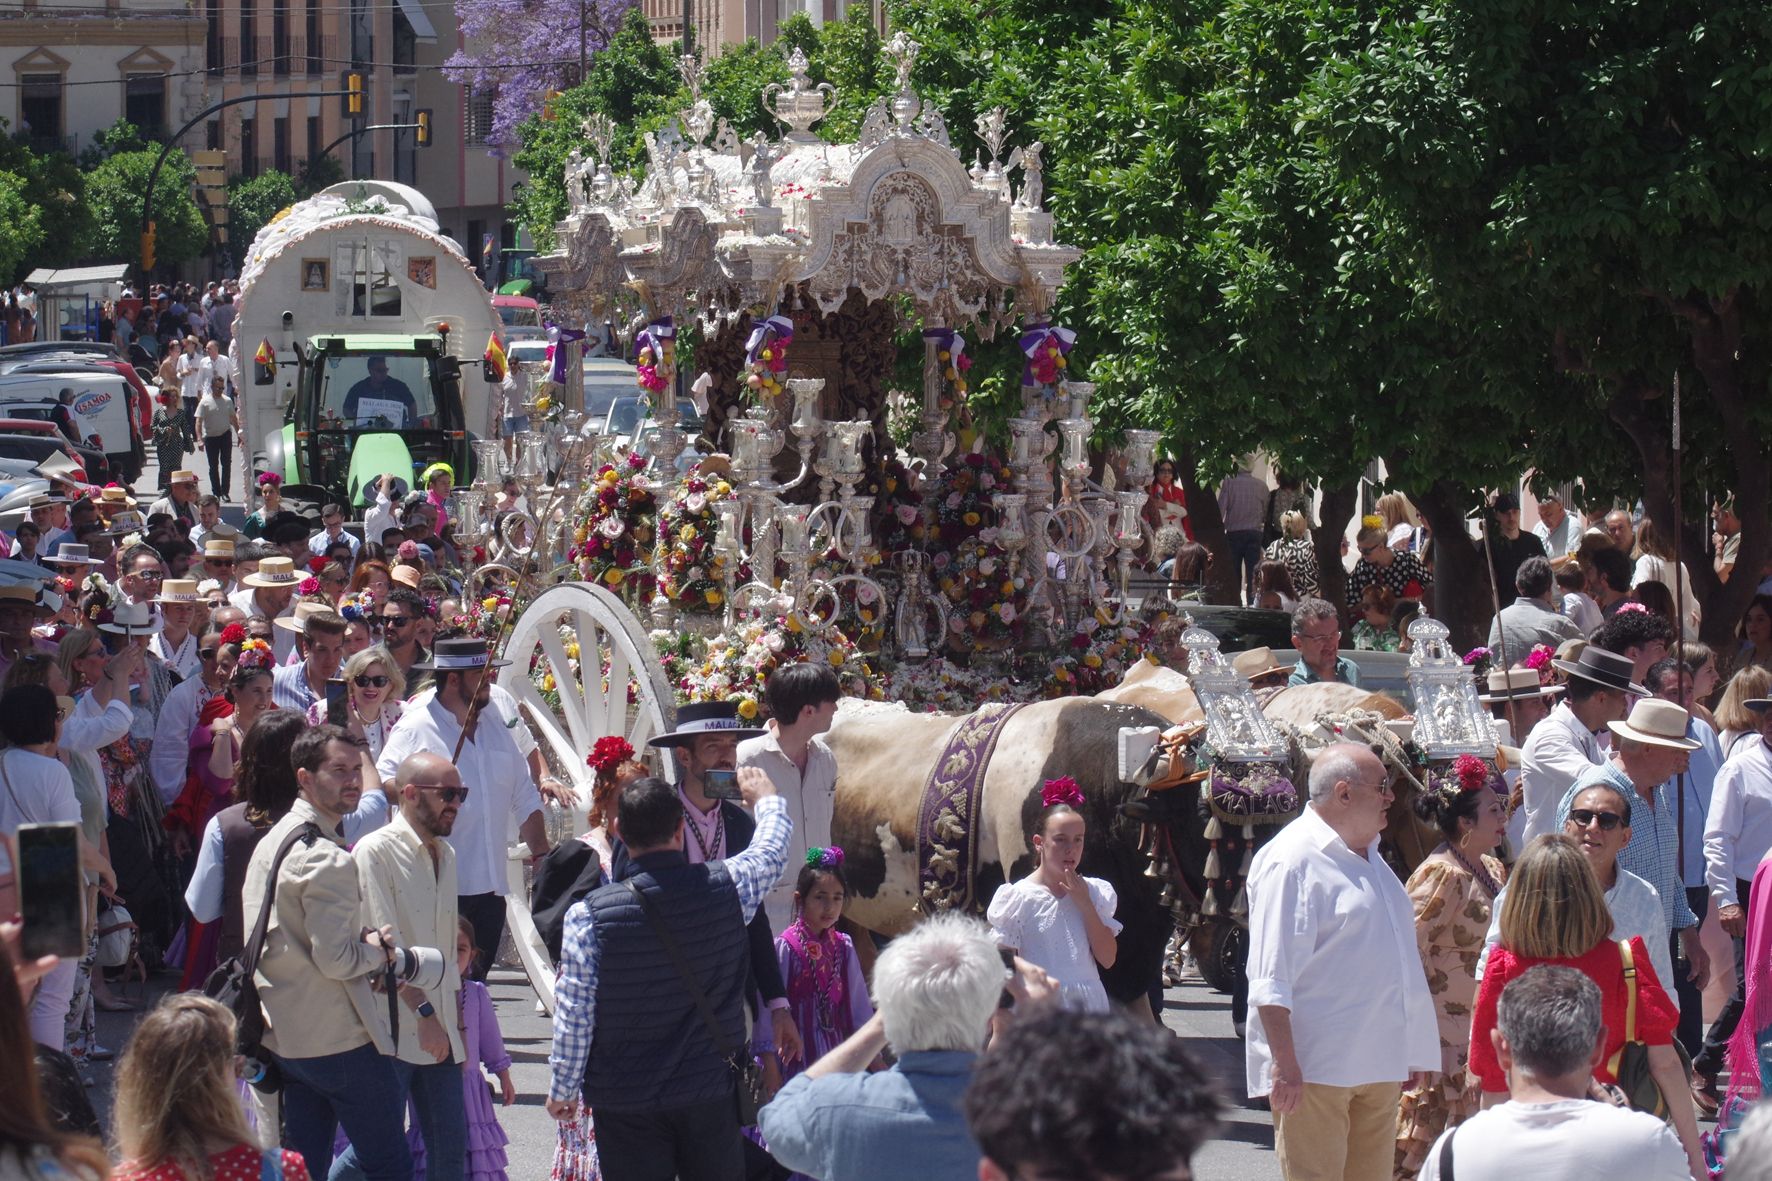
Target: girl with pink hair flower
{"points": [[1055, 917]]}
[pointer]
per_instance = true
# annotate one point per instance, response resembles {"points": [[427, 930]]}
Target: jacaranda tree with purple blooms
{"points": [[520, 50]]}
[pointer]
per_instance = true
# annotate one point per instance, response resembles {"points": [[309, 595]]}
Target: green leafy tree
{"points": [[115, 190], [253, 202], [55, 188], [21, 224], [121, 136]]}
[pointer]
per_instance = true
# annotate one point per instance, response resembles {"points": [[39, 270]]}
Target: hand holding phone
{"points": [[720, 785]]}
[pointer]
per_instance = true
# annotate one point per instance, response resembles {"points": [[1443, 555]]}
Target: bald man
{"points": [[407, 874]]}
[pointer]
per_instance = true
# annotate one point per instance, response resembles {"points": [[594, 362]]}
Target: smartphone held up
{"points": [[51, 890]]}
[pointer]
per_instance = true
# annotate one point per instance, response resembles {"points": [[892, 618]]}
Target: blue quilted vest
{"points": [[650, 1049]]}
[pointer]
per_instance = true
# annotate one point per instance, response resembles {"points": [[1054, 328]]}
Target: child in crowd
{"points": [[484, 1046], [178, 1112], [1373, 631], [827, 992], [1053, 917]]}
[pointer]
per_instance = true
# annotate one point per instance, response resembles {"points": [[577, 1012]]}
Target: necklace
{"points": [[710, 849], [1478, 871]]}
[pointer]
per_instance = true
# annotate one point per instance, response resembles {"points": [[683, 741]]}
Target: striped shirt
{"points": [[1654, 850]]}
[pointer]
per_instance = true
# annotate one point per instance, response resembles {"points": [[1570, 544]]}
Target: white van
{"points": [[100, 406]]}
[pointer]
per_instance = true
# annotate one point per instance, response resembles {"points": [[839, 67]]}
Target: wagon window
{"points": [[377, 392], [370, 288]]}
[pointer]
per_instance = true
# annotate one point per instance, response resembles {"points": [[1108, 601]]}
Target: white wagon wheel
{"points": [[633, 700]]}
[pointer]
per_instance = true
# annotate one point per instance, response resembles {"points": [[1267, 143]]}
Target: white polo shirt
{"points": [[811, 799]]}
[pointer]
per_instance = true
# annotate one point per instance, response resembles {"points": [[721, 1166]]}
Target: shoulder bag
{"points": [[1630, 1065], [234, 984], [747, 1076]]}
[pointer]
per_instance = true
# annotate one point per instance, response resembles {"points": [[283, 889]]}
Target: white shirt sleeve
{"points": [[399, 744], [1282, 930], [204, 895], [1721, 830]]}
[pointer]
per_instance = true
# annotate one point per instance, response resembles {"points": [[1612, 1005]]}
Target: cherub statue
{"points": [[1032, 182], [763, 157]]}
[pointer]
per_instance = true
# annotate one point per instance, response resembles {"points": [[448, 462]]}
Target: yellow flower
{"points": [[547, 682], [610, 477], [747, 708], [543, 403], [836, 656], [794, 624], [572, 649], [722, 488], [712, 597], [1092, 660], [686, 533], [613, 576], [490, 602], [1062, 675], [970, 518]]}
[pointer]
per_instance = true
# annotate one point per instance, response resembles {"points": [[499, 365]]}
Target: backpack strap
{"points": [[255, 943], [1446, 1155], [1630, 1005]]}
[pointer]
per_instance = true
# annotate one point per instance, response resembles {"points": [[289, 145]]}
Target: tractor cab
{"points": [[367, 405]]}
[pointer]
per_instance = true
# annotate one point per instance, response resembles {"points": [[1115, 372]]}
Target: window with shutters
{"points": [[478, 124]]}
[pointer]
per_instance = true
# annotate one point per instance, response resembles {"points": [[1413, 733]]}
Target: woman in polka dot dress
{"points": [[178, 1115]]}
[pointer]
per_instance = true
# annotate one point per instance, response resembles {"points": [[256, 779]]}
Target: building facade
{"points": [[76, 69], [732, 22]]}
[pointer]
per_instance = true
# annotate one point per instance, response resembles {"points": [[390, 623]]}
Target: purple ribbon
{"points": [[947, 338], [653, 337], [557, 353], [1035, 340], [774, 328]]}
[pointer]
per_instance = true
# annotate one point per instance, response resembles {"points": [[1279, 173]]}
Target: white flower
{"points": [[865, 593], [773, 642], [695, 502], [988, 535], [1006, 612], [987, 566], [611, 527], [694, 573], [953, 500]]}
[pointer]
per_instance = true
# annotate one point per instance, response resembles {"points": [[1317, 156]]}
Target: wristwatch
{"points": [[427, 1010]]}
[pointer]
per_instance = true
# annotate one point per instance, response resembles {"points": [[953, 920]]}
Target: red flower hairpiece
{"points": [[1063, 790], [317, 563], [609, 752], [308, 586], [1472, 772], [234, 633]]}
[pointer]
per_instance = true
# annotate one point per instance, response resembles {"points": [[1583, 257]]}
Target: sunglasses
{"points": [[449, 795], [227, 562], [1608, 821], [61, 715], [151, 575], [364, 681], [395, 620]]}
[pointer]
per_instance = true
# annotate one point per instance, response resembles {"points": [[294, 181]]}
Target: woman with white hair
{"points": [[1295, 550]]}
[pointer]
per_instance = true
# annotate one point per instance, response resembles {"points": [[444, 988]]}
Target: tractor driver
{"points": [[381, 388]]}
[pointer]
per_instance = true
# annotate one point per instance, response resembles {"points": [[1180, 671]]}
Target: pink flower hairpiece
{"points": [[1063, 790], [269, 479], [1633, 605], [828, 857]]}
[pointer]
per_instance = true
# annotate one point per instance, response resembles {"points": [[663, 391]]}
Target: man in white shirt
{"points": [[169, 755], [332, 521], [490, 765], [1737, 836], [792, 752], [1564, 745], [266, 593], [407, 872], [1324, 911], [1549, 1037], [380, 516], [1557, 528], [209, 520]]}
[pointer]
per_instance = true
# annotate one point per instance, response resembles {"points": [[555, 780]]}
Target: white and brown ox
{"points": [[885, 754]]}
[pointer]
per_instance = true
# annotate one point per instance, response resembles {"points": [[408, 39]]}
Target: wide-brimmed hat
{"points": [[1758, 704], [178, 590], [1609, 670], [133, 619], [59, 467], [273, 573], [72, 553], [50, 601], [217, 547], [18, 593], [1515, 684], [1256, 663], [181, 476], [705, 717], [462, 652], [45, 500], [1657, 722], [115, 497], [297, 620]]}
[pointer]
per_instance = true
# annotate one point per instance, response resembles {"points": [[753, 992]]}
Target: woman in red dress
{"points": [[178, 1115], [1554, 912]]}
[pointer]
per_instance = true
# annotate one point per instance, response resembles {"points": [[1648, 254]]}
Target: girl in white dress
{"points": [[1055, 918]]}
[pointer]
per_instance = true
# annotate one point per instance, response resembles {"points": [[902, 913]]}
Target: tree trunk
{"points": [[1203, 515], [1463, 597], [1338, 507]]}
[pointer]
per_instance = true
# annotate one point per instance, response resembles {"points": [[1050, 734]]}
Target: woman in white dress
{"points": [[1054, 917]]}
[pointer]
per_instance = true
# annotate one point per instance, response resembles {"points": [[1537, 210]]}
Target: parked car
{"points": [[34, 419], [607, 381], [521, 316], [628, 415]]}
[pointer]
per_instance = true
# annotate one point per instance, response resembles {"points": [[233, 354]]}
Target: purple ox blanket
{"points": [[947, 850]]}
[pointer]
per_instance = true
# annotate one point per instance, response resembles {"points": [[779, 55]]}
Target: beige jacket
{"points": [[313, 977], [404, 889]]}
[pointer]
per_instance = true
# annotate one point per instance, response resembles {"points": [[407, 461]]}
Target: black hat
{"points": [[461, 654], [1603, 668], [705, 717], [286, 526], [1506, 502]]}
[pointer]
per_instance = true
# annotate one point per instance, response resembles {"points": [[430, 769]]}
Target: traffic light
{"points": [[148, 248], [353, 86], [422, 136]]}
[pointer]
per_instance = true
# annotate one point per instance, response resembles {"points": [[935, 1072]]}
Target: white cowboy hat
{"points": [[297, 620], [1515, 684], [1657, 722], [133, 619]]}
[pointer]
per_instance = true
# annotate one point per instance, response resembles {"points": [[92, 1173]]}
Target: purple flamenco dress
{"points": [[485, 1047]]}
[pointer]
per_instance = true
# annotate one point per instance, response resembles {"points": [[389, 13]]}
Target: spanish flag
{"points": [[496, 365], [266, 356]]}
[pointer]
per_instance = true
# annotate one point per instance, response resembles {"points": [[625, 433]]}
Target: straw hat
{"points": [[297, 620], [178, 590], [72, 553], [1657, 722], [115, 498], [18, 593], [46, 500], [216, 547], [273, 573], [1515, 684], [181, 476], [60, 467], [133, 619], [1256, 663]]}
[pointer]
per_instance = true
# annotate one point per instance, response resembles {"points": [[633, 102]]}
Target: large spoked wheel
{"points": [[613, 685]]}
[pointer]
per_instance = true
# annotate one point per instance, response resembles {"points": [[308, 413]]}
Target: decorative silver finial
{"points": [[905, 104], [800, 104], [993, 131], [698, 118]]}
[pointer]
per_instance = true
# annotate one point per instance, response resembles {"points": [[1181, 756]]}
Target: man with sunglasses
{"points": [[434, 722], [219, 563], [332, 531], [399, 618], [407, 872], [142, 573]]}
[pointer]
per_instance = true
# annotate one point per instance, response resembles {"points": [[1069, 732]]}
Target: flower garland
{"points": [[613, 543], [255, 655], [766, 357], [655, 356], [734, 665], [1097, 655], [690, 570]]}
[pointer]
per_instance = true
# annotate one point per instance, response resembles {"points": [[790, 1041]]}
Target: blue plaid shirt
{"points": [[754, 872], [1654, 850]]}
